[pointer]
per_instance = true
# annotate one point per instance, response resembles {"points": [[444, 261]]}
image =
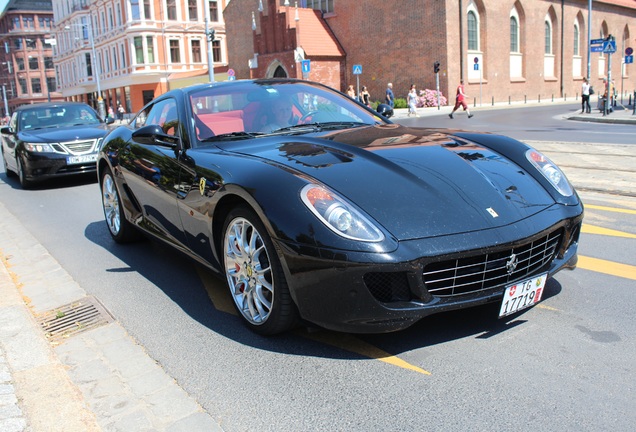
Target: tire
{"points": [[24, 182], [120, 229], [254, 275]]}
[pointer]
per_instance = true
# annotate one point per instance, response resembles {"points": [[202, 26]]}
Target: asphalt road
{"points": [[567, 363]]}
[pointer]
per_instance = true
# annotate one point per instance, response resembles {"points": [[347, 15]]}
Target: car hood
{"points": [[415, 182], [63, 134]]}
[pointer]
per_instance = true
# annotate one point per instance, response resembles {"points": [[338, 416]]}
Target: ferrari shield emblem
{"points": [[202, 183]]}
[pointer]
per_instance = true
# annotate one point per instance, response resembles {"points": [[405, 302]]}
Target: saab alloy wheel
{"points": [[120, 229]]}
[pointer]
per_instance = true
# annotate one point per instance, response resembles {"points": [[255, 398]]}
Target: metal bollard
{"points": [[525, 99], [634, 105], [493, 101], [539, 99]]}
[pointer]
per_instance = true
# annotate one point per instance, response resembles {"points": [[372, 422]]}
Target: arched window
{"points": [[473, 31], [514, 35], [576, 39], [548, 37]]}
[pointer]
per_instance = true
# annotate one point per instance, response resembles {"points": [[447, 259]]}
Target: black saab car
{"points": [[52, 139], [313, 207]]}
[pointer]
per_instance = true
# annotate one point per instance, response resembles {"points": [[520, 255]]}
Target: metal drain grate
{"points": [[74, 318]]}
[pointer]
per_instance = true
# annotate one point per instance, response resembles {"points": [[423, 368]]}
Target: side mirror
{"points": [[385, 110], [154, 135], [110, 120], [6, 130]]}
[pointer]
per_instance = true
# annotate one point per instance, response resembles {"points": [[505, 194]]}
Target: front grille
{"points": [[482, 272], [79, 147]]}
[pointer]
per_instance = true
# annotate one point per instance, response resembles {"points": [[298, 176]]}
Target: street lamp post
{"points": [[100, 101]]}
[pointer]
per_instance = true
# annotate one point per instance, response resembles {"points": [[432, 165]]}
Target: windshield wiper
{"points": [[317, 126], [232, 135]]}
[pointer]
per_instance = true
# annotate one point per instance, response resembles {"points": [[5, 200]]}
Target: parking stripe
{"points": [[610, 209], [592, 229], [607, 267]]}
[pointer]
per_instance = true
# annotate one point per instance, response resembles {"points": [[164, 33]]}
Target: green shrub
{"points": [[400, 103]]}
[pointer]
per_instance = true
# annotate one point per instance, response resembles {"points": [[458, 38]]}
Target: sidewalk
{"points": [[622, 113], [92, 376], [99, 379]]}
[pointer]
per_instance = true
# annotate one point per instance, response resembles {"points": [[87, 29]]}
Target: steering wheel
{"points": [[308, 115]]}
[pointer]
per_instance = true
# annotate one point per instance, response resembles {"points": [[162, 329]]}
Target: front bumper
{"points": [[376, 293], [39, 167]]}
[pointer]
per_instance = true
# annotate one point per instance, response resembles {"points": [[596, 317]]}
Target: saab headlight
{"points": [[550, 171], [39, 148], [338, 215]]}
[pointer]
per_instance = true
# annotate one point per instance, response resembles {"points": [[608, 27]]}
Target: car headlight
{"points": [[39, 148], [550, 171], [338, 215]]}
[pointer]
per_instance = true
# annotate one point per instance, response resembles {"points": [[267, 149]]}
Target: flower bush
{"points": [[428, 98]]}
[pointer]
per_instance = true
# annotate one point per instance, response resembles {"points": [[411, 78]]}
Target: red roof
{"points": [[314, 36]]}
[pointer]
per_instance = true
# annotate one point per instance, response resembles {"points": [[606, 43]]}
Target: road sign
{"points": [[597, 41], [476, 60], [596, 48], [609, 47], [629, 59], [476, 66], [306, 65], [357, 69], [629, 51], [230, 72]]}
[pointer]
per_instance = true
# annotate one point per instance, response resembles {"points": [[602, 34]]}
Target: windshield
{"points": [[261, 108], [57, 116]]}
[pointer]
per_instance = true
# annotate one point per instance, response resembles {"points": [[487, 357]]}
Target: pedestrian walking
{"points": [[585, 97], [412, 101], [460, 100], [390, 98], [120, 112]]}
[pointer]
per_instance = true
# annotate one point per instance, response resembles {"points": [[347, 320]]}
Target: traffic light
{"points": [[436, 67]]}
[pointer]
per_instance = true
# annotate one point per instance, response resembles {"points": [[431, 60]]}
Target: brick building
{"points": [[525, 49], [27, 72]]}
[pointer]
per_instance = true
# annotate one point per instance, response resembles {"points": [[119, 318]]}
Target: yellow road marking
{"points": [[611, 209], [355, 345], [592, 229], [607, 267], [214, 288], [550, 308], [223, 302]]}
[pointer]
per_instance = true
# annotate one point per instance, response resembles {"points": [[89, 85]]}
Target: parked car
{"points": [[314, 207], [52, 140]]}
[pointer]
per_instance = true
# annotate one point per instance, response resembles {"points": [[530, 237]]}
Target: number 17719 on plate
{"points": [[522, 295]]}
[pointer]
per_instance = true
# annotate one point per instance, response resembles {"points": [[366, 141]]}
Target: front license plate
{"points": [[74, 160], [522, 295]]}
